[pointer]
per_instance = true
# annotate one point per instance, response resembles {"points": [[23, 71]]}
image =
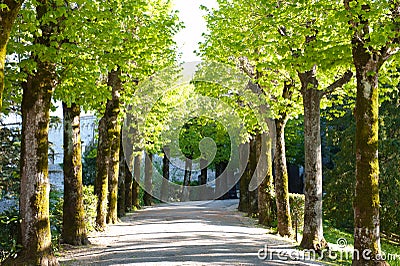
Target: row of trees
{"points": [[296, 53], [90, 56]]}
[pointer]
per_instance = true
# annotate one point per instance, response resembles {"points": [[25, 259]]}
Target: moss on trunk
{"points": [[113, 173], [266, 194], [74, 230], [35, 185], [101, 182], [107, 162], [366, 200], [282, 181], [8, 16]]}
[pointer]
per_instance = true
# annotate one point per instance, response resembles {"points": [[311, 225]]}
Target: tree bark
{"points": [[282, 181], [73, 230], [244, 179], [221, 184], [313, 236], [35, 186], [113, 135], [186, 180], [266, 193], [164, 187], [203, 178], [107, 163], [135, 183], [121, 183], [366, 200], [253, 195], [128, 188], [101, 182], [113, 174], [148, 180], [8, 16]]}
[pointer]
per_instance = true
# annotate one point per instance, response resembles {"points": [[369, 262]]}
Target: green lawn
{"points": [[333, 234]]}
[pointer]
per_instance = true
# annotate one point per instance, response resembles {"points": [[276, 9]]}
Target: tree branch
{"points": [[339, 83]]}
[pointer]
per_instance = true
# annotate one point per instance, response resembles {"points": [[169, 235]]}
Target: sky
{"points": [[192, 17]]}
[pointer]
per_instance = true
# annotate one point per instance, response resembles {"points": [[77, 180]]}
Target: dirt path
{"points": [[213, 233]]}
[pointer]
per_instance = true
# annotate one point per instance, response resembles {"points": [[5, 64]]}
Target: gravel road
{"points": [[191, 233]]}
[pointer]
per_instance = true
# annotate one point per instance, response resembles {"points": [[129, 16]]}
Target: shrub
{"points": [[9, 226], [296, 202], [89, 203]]}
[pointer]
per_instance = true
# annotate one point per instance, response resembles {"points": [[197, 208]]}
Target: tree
{"points": [[135, 184], [73, 229], [113, 138], [148, 179], [375, 40], [8, 13], [165, 172], [268, 84], [34, 197], [127, 62], [108, 157]]}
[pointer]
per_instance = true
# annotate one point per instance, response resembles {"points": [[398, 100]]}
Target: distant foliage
{"points": [[9, 226], [89, 164], [10, 147]]}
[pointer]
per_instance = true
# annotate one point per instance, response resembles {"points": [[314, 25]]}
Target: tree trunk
{"points": [[113, 174], [35, 187], [8, 16], [135, 183], [148, 180], [186, 180], [313, 236], [128, 188], [366, 200], [282, 181], [121, 183], [114, 136], [73, 230], [244, 179], [203, 178], [101, 182], [221, 184], [107, 162], [253, 195], [266, 205], [164, 187]]}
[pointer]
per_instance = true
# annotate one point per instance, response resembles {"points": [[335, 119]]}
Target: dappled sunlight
{"points": [[184, 234]]}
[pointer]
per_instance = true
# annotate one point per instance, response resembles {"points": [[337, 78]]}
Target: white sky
{"points": [[192, 17]]}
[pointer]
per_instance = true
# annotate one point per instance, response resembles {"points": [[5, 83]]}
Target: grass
{"points": [[333, 234]]}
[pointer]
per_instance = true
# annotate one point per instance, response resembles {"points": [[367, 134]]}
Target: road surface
{"points": [[192, 233]]}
